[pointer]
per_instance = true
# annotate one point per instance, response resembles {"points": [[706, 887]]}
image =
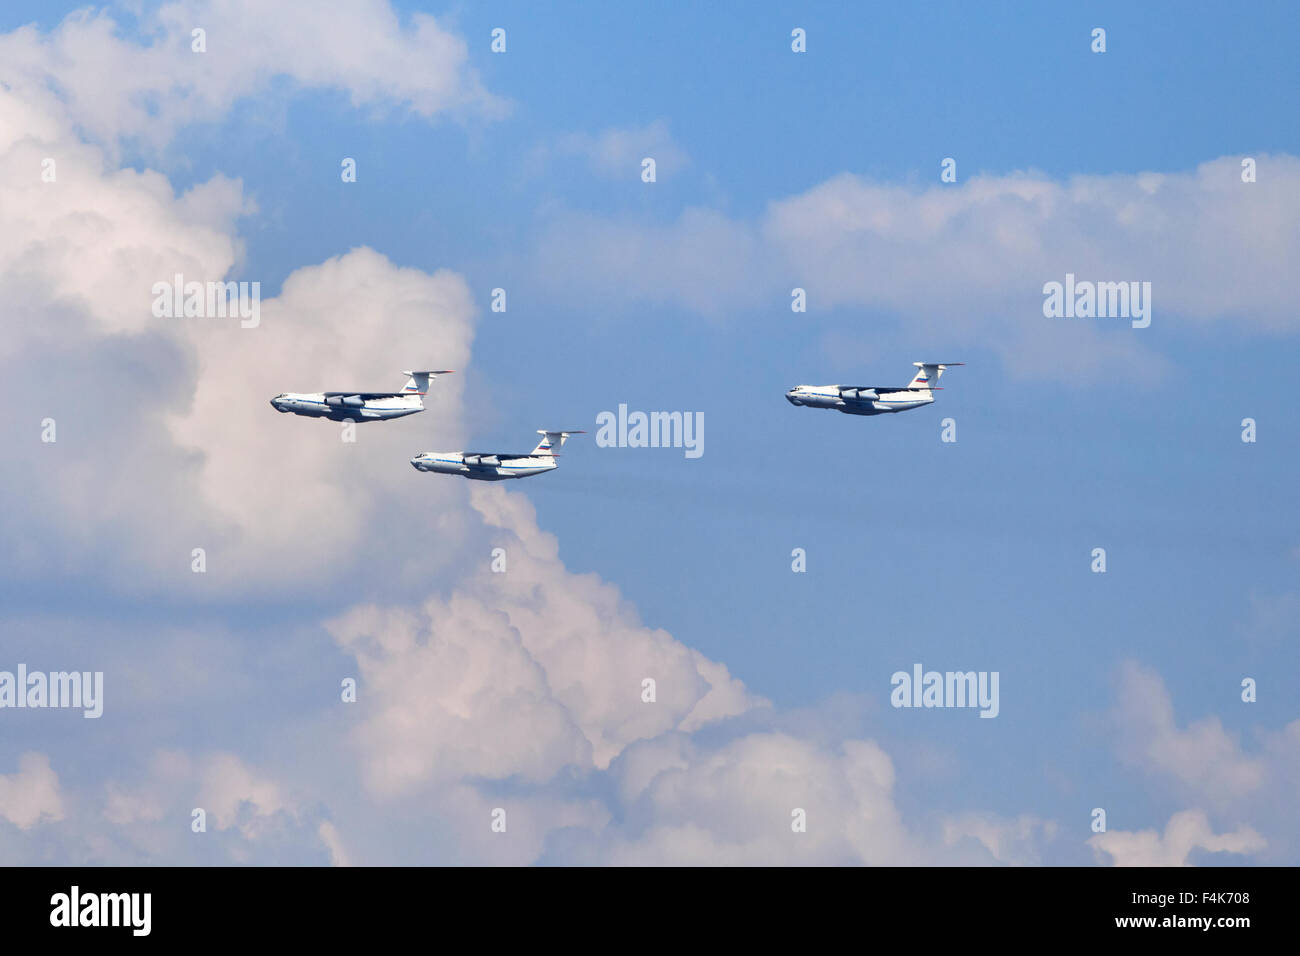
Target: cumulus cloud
{"points": [[1203, 758], [232, 794], [1018, 842], [354, 321], [520, 673], [238, 796], [116, 87], [31, 795], [532, 678], [329, 835], [1203, 762], [169, 434], [251, 814], [534, 675], [969, 261], [736, 804], [617, 152], [84, 250], [1186, 832], [163, 439], [85, 357], [1211, 245]]}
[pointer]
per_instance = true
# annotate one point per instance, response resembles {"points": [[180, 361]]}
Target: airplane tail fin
{"points": [[551, 442], [418, 383], [928, 374]]}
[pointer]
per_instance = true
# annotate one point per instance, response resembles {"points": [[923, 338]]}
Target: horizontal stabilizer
{"points": [[418, 383], [928, 373], [552, 440]]}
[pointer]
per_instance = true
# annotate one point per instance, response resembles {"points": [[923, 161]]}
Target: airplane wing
{"points": [[364, 396], [487, 460], [891, 388]]}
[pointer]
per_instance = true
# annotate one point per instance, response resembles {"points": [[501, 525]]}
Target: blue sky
{"points": [[969, 555]]}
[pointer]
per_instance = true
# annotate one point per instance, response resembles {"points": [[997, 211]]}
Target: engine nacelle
{"points": [[350, 401], [858, 394]]}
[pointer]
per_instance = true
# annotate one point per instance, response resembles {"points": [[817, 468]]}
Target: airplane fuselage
{"points": [[484, 466], [858, 401], [339, 406]]}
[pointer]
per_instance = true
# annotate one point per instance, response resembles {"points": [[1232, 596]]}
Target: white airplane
{"points": [[359, 406], [873, 399], [490, 466]]}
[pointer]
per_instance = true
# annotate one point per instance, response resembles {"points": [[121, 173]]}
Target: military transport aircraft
{"points": [[496, 466], [359, 406], [873, 399]]}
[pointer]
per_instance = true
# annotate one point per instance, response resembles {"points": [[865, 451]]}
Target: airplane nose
{"points": [[789, 397]]}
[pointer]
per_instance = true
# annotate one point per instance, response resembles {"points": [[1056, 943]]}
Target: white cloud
{"points": [[237, 796], [31, 795], [165, 441], [1018, 842], [1211, 245], [1205, 763], [248, 813], [89, 246], [232, 794], [617, 152], [1187, 831], [579, 627], [115, 87], [1203, 758], [521, 673], [291, 494], [734, 804], [329, 835], [174, 435], [968, 262]]}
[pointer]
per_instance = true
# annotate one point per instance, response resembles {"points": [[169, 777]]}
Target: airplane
{"points": [[494, 466], [874, 399], [359, 406]]}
